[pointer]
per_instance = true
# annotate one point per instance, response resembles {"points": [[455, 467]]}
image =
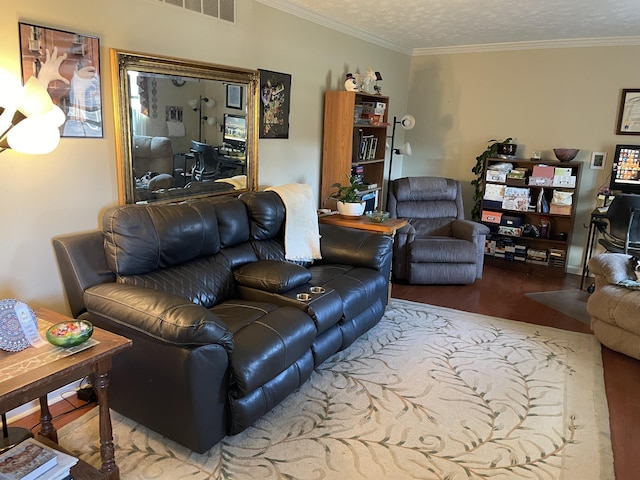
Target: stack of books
{"points": [[31, 460], [557, 257]]}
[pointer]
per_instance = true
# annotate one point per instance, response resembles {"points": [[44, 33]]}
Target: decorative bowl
{"points": [[566, 154], [378, 217], [69, 334], [507, 150]]}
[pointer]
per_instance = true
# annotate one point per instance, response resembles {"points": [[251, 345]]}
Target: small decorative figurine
{"points": [[350, 84]]}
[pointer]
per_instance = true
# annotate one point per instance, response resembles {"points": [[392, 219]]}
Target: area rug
{"points": [[570, 302], [428, 393]]}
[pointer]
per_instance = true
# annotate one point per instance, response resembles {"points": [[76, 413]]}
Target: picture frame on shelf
{"points": [[234, 96], [598, 159], [74, 81], [629, 112]]}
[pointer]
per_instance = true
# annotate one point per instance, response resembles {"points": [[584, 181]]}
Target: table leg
{"points": [[46, 421], [100, 382]]}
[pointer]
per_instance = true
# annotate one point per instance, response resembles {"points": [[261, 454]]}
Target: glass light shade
{"points": [[34, 135], [405, 149], [408, 121], [193, 103], [209, 102], [35, 100], [10, 90], [210, 120]]}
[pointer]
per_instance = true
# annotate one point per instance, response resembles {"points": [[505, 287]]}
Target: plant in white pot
{"points": [[347, 199]]}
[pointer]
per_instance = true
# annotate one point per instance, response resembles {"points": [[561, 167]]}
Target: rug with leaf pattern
{"points": [[429, 393]]}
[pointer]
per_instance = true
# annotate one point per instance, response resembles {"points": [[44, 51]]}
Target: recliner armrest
{"points": [[162, 316], [468, 229], [613, 267], [359, 248]]}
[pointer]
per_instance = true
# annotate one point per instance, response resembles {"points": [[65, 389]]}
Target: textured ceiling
{"points": [[429, 26]]}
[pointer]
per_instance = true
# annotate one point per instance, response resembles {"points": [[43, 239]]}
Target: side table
{"points": [[34, 372]]}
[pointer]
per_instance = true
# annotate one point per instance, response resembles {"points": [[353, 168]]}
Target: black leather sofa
{"points": [[204, 291]]}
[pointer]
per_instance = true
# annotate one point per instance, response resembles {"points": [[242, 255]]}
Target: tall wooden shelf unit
{"points": [[344, 132], [561, 224]]}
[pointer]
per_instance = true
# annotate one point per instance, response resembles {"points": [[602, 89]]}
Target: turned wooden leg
{"points": [[46, 421], [100, 382]]}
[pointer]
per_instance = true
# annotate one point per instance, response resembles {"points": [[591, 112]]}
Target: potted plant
{"points": [[480, 170], [347, 199]]}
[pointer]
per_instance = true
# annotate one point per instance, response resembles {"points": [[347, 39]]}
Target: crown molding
{"points": [[306, 14], [534, 45], [301, 12]]}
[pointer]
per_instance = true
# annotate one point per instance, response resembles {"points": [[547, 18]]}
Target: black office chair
{"points": [[206, 162], [620, 228]]}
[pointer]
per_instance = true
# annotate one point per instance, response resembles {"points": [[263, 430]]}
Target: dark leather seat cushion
{"points": [[267, 340]]}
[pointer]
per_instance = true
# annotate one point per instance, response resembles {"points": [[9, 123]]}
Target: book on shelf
{"points": [[31, 460]]}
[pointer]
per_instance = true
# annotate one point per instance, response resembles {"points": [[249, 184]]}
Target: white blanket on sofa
{"points": [[301, 234]]}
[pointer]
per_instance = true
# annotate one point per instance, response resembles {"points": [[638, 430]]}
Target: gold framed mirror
{"points": [[178, 134]]}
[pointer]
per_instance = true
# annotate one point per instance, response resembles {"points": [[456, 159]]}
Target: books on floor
{"points": [[31, 460]]}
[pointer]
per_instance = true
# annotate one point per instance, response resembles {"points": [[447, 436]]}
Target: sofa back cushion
{"points": [[266, 214], [143, 238]]}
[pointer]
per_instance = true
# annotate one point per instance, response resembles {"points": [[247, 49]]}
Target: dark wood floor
{"points": [[501, 293]]}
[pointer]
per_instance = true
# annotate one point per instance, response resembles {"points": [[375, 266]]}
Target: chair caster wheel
{"points": [[591, 288]]}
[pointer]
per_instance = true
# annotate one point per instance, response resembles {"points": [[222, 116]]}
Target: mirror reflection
{"points": [[188, 129]]}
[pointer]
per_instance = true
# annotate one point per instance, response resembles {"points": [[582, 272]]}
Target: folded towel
{"points": [[301, 234]]}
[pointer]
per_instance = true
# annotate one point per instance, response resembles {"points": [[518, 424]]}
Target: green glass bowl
{"points": [[378, 217], [69, 334]]}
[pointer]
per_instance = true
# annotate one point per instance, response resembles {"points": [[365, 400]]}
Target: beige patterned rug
{"points": [[429, 393]]}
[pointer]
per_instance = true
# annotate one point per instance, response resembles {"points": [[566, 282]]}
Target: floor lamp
{"points": [[197, 106], [407, 122]]}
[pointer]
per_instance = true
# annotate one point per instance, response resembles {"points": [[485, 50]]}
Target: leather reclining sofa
{"points": [[205, 293]]}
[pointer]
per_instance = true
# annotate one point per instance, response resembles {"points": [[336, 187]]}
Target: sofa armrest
{"points": [[468, 230], [613, 267], [162, 316], [359, 248]]}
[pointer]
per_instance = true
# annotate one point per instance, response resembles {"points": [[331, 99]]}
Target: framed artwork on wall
{"points": [[68, 64], [275, 96], [234, 96], [629, 112], [598, 160]]}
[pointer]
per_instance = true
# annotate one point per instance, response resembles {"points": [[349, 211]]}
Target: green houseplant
{"points": [[480, 170], [347, 199]]}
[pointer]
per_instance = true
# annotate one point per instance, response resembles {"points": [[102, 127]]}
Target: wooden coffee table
{"points": [[34, 372]]}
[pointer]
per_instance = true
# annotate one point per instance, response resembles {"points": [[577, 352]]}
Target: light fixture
{"points": [[407, 122], [29, 120], [196, 105]]}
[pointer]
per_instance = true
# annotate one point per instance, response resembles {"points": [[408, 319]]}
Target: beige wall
{"points": [[542, 98], [66, 191]]}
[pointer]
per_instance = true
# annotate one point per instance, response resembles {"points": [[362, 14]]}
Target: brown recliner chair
{"points": [[438, 246]]}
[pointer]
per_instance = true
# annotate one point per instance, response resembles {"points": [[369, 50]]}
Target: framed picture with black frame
{"points": [[629, 112], [275, 95], [234, 96], [68, 64]]}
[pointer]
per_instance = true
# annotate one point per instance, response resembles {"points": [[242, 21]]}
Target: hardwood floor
{"points": [[501, 293]]}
